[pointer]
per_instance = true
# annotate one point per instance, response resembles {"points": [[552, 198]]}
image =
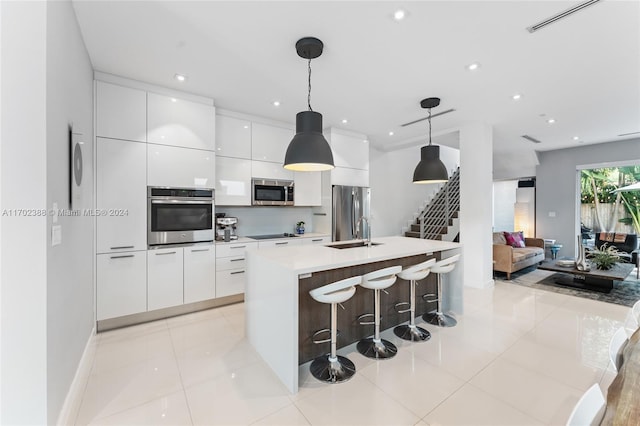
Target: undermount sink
{"points": [[352, 245]]}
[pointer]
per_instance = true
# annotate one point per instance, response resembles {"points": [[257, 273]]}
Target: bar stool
{"points": [[438, 318], [375, 347], [333, 368], [413, 274]]}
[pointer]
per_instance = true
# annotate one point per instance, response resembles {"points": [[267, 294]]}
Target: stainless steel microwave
{"points": [[179, 215], [271, 192]]}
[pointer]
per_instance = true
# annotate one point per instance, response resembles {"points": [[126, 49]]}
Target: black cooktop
{"points": [[271, 236]]}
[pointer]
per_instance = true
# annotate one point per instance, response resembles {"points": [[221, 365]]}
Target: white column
{"points": [[476, 180]]}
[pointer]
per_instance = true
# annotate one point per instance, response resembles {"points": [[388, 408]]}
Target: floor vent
{"points": [[561, 15], [432, 116], [531, 139]]}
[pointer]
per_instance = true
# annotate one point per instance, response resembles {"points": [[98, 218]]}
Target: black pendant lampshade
{"points": [[309, 151], [430, 169]]}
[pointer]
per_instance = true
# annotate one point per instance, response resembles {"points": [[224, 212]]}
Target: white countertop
{"points": [[308, 258], [251, 240]]}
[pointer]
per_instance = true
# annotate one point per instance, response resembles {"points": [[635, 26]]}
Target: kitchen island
{"points": [[281, 316]]}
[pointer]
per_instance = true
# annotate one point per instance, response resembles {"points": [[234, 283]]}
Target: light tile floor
{"points": [[517, 357]]}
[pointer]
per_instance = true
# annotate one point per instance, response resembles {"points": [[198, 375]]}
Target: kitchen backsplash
{"points": [[269, 220]]}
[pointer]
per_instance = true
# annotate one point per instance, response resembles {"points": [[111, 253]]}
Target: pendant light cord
{"points": [[309, 92], [429, 118]]}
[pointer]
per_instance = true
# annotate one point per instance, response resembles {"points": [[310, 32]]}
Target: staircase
{"points": [[439, 219]]}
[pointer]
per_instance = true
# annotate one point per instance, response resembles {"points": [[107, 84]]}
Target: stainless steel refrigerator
{"points": [[350, 204]]}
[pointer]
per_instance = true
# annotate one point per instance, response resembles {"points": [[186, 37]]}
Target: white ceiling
{"points": [[583, 71]]}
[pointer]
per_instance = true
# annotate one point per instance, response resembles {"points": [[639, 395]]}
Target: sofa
{"points": [[508, 259]]}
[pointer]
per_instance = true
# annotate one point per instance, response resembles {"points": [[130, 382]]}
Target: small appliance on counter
{"points": [[226, 227]]}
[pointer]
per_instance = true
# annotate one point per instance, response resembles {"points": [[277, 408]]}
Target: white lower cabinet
{"points": [[164, 278], [199, 273], [121, 284], [230, 268]]}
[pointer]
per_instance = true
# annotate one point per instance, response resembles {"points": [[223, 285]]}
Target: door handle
{"points": [[196, 250], [169, 252], [121, 257], [237, 272], [121, 247]]}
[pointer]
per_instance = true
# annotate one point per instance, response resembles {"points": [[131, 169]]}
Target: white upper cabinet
{"points": [[269, 143], [233, 181], [121, 112], [350, 177], [267, 170], [349, 151], [233, 137], [179, 122], [307, 188], [180, 167], [121, 192]]}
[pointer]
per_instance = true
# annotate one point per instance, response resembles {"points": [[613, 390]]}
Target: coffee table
{"points": [[595, 279]]}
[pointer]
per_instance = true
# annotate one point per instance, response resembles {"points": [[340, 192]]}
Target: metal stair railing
{"points": [[446, 203]]}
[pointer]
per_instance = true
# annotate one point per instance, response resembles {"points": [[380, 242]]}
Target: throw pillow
{"points": [[514, 239]]}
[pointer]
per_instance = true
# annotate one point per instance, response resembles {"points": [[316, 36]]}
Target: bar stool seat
{"points": [[375, 347], [438, 317], [334, 368], [413, 274]]}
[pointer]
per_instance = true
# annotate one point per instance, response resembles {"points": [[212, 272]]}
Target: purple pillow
{"points": [[514, 239]]}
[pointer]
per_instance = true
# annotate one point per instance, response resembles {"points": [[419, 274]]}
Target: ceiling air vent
{"points": [[558, 16], [531, 139], [432, 116], [629, 134]]}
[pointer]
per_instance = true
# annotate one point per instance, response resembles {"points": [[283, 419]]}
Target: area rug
{"points": [[624, 293]]}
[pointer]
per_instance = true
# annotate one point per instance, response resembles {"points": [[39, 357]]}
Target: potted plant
{"points": [[605, 257], [300, 227]]}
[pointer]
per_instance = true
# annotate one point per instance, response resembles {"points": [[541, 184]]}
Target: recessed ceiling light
{"points": [[344, 121], [399, 15], [551, 120], [576, 138], [246, 126], [516, 97], [390, 133], [474, 66], [276, 103], [174, 100], [365, 141], [180, 77]]}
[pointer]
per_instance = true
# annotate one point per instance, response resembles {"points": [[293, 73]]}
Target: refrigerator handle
{"points": [[353, 215]]}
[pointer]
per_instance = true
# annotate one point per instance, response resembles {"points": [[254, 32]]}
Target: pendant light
{"points": [[430, 169], [309, 151]]}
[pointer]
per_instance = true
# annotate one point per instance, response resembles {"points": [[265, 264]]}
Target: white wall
{"points": [[70, 293], [23, 240], [504, 197], [557, 183], [394, 197]]}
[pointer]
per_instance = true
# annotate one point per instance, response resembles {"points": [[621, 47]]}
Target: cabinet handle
{"points": [[195, 250], [316, 241], [282, 243], [121, 247], [169, 252], [121, 257], [235, 247], [237, 272], [236, 260]]}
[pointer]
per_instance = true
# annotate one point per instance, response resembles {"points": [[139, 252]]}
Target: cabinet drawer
{"points": [[226, 263], [230, 282], [234, 249], [317, 240], [280, 243]]}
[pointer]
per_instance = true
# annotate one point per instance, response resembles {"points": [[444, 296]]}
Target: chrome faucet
{"points": [[366, 219]]}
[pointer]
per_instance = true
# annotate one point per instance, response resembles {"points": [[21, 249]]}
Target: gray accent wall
{"points": [[557, 186], [70, 294]]}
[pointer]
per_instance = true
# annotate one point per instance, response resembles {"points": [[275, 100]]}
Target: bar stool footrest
{"points": [[361, 317], [402, 311], [324, 330]]}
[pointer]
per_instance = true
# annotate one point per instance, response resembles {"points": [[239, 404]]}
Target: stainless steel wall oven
{"points": [[179, 215]]}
